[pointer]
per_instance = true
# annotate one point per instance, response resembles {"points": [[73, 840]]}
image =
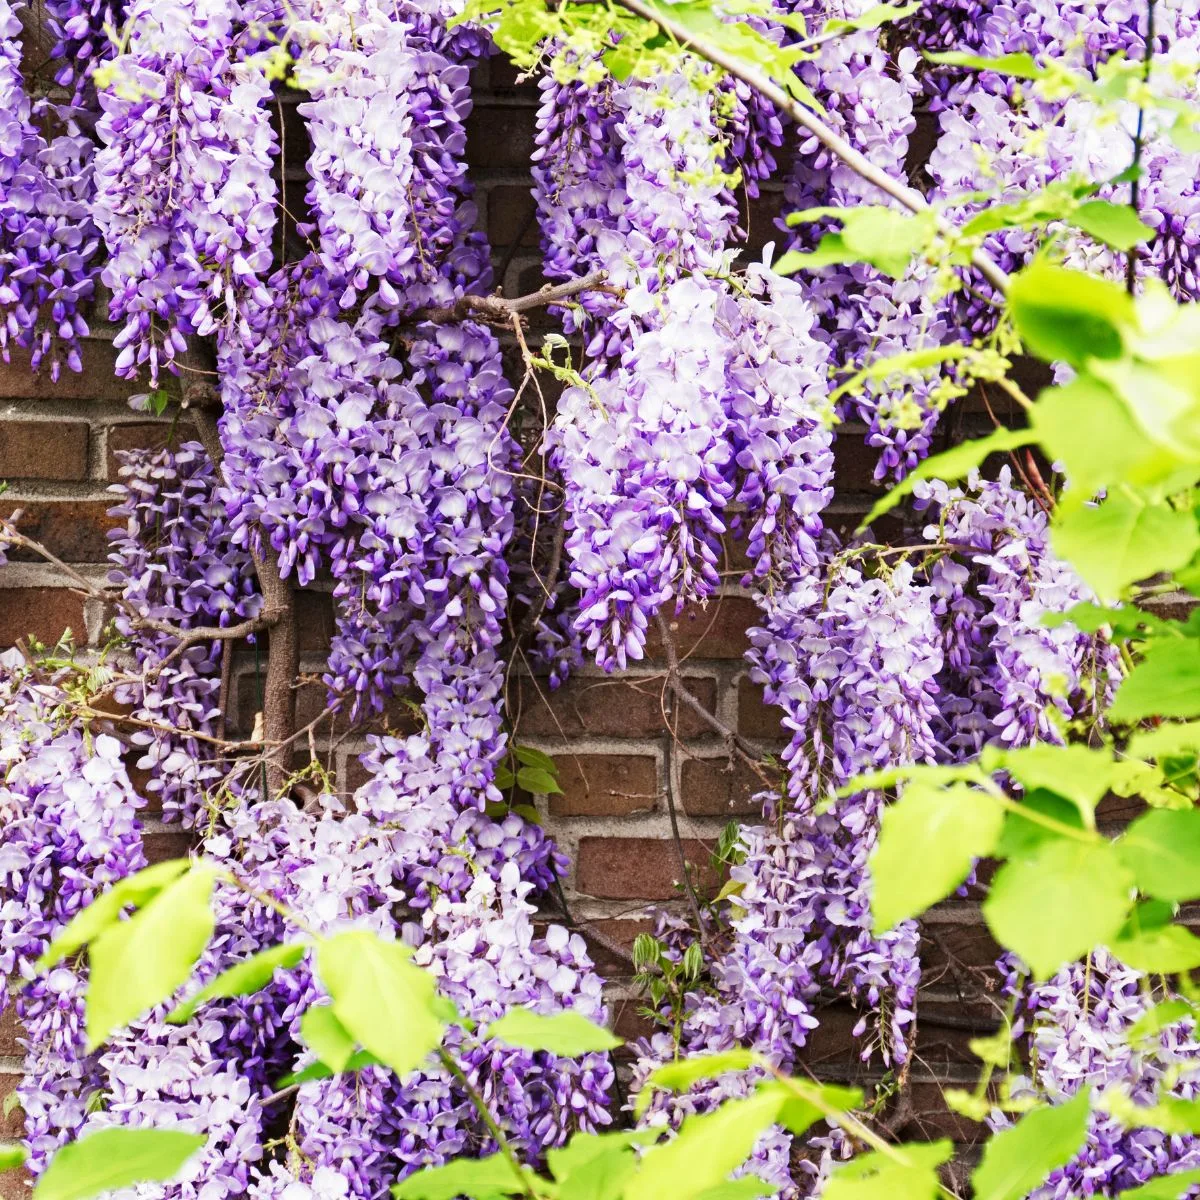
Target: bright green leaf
{"points": [[1021, 66], [327, 1037], [875, 1176], [386, 1003], [1023, 831], [532, 779], [805, 1103], [873, 18], [567, 1033], [955, 463], [887, 238], [1166, 683], [1165, 1187], [322, 1070], [1162, 849], [1018, 1160], [242, 979], [1056, 904], [1126, 621], [90, 922], [1116, 225], [11, 1157], [928, 842], [1165, 740], [1167, 950], [115, 1158], [529, 757], [1079, 773], [679, 1074], [1069, 316], [1161, 1016], [707, 1149], [138, 963], [481, 1179], [585, 1148], [745, 1187], [1124, 539]]}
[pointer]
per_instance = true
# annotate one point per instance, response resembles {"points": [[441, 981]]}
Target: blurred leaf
{"points": [[874, 1176], [1079, 773], [1017, 1160], [1165, 1187], [1021, 66], [1165, 683], [1167, 950], [387, 1004], [480, 1178], [887, 238], [1056, 904], [11, 1157], [679, 1074], [1116, 225], [1162, 1016], [1162, 849], [141, 962], [242, 979], [873, 18], [928, 841], [115, 1158], [327, 1037], [566, 1033]]}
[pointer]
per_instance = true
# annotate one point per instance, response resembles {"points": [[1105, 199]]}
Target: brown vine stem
{"points": [[738, 744], [909, 197], [502, 311], [279, 611]]}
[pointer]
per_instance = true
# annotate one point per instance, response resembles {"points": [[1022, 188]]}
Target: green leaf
{"points": [[707, 1149], [1167, 950], [1069, 316], [1078, 773], [955, 463], [567, 1033], [1162, 849], [1116, 225], [874, 1176], [327, 1037], [89, 923], [529, 757], [1018, 1160], [480, 1178], [322, 1070], [115, 1158], [1124, 539], [928, 842], [11, 1157], [388, 1005], [1127, 621], [1166, 740], [1056, 904], [1021, 66], [887, 238], [745, 1187], [873, 18], [1022, 832], [534, 780], [585, 1148], [679, 1075], [141, 962], [1166, 683], [1162, 1016], [242, 979], [806, 1103], [1165, 1187]]}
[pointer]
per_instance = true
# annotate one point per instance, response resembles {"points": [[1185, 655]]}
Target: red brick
{"points": [[715, 787], [314, 621], [43, 450], [14, 1185], [161, 845], [150, 435], [74, 530], [854, 464], [605, 785], [630, 868], [713, 630], [9, 1030], [629, 1022], [500, 136], [97, 381], [44, 613], [757, 718], [511, 216], [605, 708], [619, 931]]}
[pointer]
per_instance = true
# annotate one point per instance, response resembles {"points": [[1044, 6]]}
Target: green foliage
{"points": [[11, 1157], [1165, 683], [1166, 1187], [1162, 849], [489, 1178], [928, 842], [887, 238], [566, 1033], [242, 979], [906, 1172], [385, 1002], [1018, 1159], [115, 1158]]}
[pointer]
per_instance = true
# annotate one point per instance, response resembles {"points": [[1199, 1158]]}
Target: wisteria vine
{"points": [[339, 354]]}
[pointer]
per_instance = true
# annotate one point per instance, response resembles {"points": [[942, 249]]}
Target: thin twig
{"points": [[500, 310]]}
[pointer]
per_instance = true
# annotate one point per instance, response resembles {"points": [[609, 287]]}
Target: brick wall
{"points": [[607, 733]]}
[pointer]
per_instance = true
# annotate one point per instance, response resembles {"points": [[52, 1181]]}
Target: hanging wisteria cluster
{"points": [[362, 439]]}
